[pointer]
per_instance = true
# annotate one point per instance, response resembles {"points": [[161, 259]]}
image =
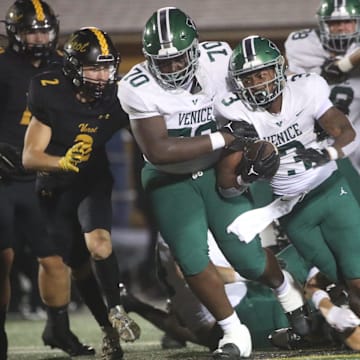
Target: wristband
{"points": [[333, 153], [317, 296], [345, 64], [217, 140], [313, 271]]}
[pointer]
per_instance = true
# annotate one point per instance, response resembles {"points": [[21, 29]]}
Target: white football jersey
{"points": [[186, 114], [305, 99], [305, 53]]}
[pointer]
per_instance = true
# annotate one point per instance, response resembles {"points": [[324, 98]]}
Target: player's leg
{"points": [[95, 217], [251, 260], [181, 215], [91, 294], [52, 250], [6, 260]]}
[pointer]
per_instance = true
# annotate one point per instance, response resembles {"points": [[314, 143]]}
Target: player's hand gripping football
{"points": [[260, 161], [243, 132], [313, 157], [78, 153]]}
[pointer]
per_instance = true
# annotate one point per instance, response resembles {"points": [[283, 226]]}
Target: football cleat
{"points": [[67, 342], [127, 328], [228, 351], [287, 339], [235, 347], [299, 321], [111, 348]]}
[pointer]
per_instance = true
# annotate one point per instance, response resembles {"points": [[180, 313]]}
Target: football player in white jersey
{"points": [[319, 212], [333, 51], [170, 101]]}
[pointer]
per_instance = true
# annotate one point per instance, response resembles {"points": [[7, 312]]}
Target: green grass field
{"points": [[25, 344]]}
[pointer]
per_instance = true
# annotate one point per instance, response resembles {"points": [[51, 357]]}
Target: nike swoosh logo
{"points": [[297, 114]]}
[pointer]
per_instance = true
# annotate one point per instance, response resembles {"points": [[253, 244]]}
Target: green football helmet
{"points": [[253, 54], [335, 10], [171, 36]]}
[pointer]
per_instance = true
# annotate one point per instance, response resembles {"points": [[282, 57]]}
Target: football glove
{"points": [[10, 162], [331, 72], [262, 166], [342, 319], [243, 132], [78, 153], [313, 157]]}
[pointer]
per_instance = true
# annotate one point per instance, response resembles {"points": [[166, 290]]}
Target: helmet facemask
{"points": [[97, 89], [178, 79], [260, 94], [338, 11], [28, 17], [35, 50], [91, 48]]}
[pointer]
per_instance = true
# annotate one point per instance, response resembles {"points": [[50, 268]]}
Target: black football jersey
{"points": [[52, 100], [15, 74]]}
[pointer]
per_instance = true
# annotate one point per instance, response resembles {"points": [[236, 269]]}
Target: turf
{"points": [[25, 344]]}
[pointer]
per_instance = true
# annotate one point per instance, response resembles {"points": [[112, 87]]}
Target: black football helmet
{"points": [[26, 16], [91, 46]]}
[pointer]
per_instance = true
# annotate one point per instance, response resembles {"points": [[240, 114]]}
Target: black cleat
{"points": [[300, 321], [287, 339], [227, 352], [111, 348], [67, 342]]}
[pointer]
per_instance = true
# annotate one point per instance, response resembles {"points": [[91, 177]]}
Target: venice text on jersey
{"points": [[196, 117]]}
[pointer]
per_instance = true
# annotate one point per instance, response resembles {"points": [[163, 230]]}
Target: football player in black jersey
{"points": [[75, 111], [32, 31]]}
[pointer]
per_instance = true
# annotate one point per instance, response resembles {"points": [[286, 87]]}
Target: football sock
{"points": [[58, 317], [109, 275], [230, 324], [91, 295]]}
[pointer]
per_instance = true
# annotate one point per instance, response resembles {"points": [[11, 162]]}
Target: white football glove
{"points": [[342, 318]]}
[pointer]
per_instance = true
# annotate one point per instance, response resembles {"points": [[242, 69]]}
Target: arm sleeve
{"points": [[35, 102]]}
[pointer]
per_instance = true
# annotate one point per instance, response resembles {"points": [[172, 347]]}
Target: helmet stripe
{"points": [[39, 11], [249, 48], [163, 25], [104, 47], [339, 3]]}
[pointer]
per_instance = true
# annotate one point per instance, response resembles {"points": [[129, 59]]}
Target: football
{"points": [[261, 161]]}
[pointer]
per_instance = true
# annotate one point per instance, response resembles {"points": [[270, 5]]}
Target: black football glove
{"points": [[313, 157], [331, 72], [243, 132], [259, 168], [10, 162]]}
